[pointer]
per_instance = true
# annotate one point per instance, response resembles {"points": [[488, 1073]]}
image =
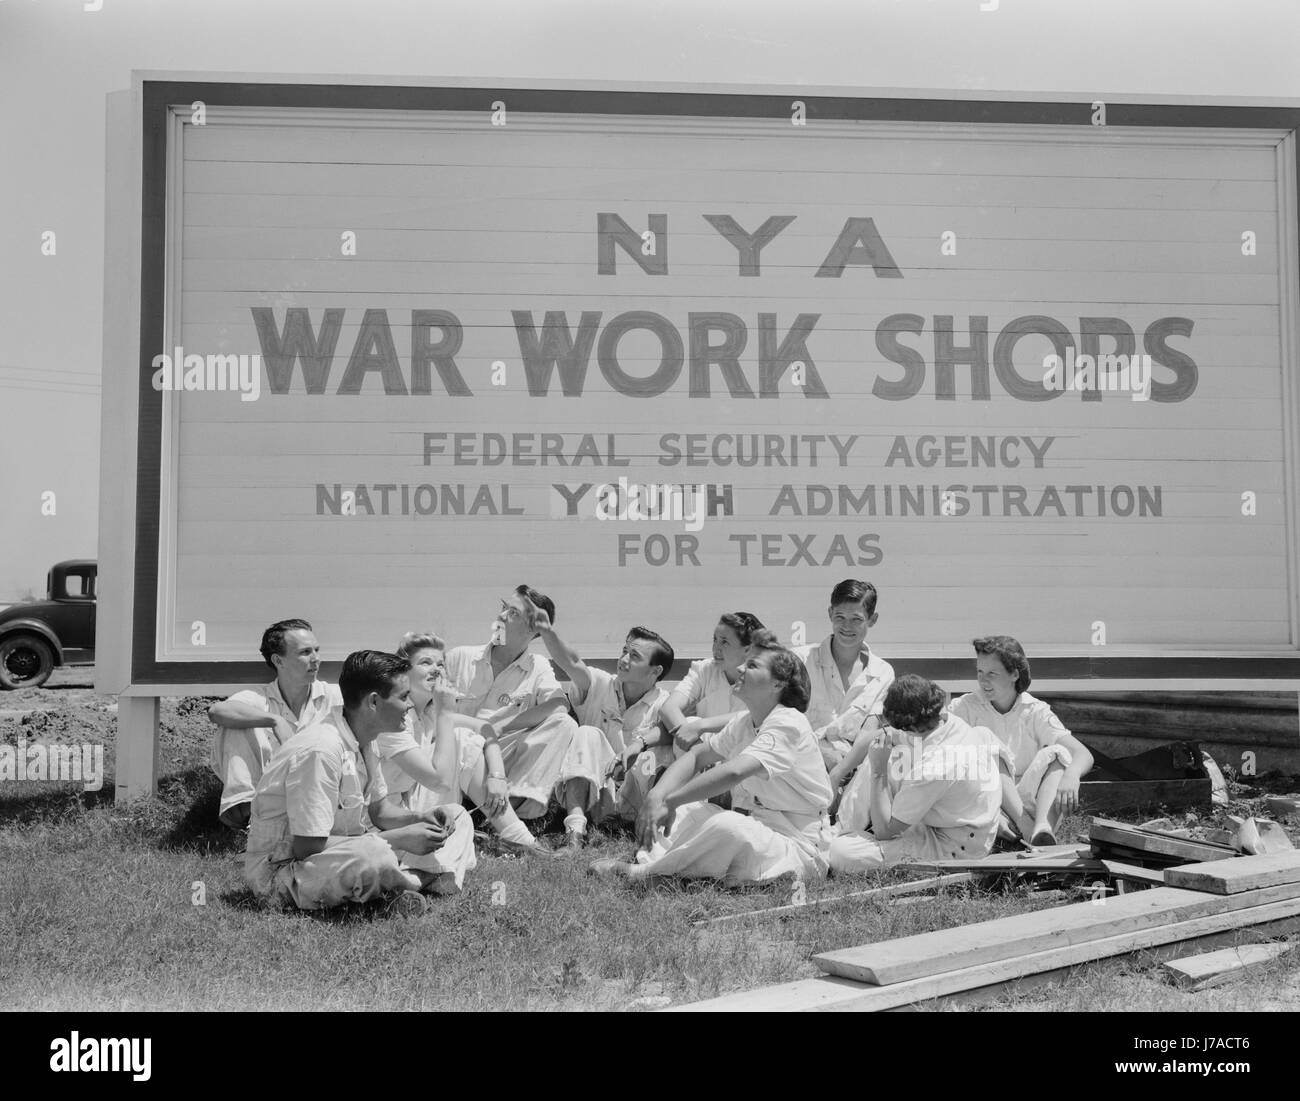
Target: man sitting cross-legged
{"points": [[321, 832], [618, 714], [517, 693], [253, 723]]}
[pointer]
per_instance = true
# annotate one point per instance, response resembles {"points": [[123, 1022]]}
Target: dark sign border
{"points": [[158, 95]]}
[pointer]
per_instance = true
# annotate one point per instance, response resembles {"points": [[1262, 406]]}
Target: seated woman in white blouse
{"points": [[767, 757], [706, 698], [439, 757], [1049, 760], [934, 784]]}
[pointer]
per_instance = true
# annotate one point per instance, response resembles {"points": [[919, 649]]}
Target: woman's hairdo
{"points": [[418, 640], [1010, 653], [914, 704], [743, 623], [785, 667]]}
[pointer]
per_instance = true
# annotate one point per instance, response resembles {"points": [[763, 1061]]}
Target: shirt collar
{"points": [[521, 662], [871, 665], [273, 691]]}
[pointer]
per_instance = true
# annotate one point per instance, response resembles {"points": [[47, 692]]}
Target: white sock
{"points": [[575, 821], [513, 830]]}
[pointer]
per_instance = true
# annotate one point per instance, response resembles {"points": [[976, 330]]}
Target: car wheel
{"points": [[26, 661]]}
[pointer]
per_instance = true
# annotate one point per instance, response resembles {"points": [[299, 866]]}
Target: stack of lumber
{"points": [[1214, 899], [1133, 845]]}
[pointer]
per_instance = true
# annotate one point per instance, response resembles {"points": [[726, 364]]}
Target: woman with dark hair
{"points": [[1049, 760], [706, 698], [768, 759], [934, 784]]}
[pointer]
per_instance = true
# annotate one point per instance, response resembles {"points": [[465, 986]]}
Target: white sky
{"points": [[58, 61]]}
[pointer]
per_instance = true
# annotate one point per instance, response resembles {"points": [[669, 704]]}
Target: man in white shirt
{"points": [[618, 714], [321, 833], [253, 723], [516, 691], [848, 681]]}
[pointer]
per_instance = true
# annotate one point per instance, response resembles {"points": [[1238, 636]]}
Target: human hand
{"points": [[878, 757], [1067, 795], [283, 728], [497, 797], [655, 815], [686, 735], [421, 837], [538, 619]]}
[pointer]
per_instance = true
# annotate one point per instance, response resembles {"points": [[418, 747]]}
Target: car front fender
{"points": [[33, 627]]}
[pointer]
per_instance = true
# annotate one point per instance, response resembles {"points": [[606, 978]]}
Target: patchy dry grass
{"points": [[97, 912]]}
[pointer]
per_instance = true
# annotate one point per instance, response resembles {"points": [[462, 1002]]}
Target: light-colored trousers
{"points": [[239, 758]]}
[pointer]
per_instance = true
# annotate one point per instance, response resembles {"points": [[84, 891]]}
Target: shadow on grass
{"points": [[53, 804], [195, 796]]}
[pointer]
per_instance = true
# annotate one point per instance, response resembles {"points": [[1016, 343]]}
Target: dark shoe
{"points": [[410, 904]]}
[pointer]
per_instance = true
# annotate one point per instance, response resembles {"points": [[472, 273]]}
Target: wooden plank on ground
{"points": [[1134, 874], [1103, 831], [876, 893], [968, 946], [1216, 968], [1230, 877], [834, 994], [1073, 865]]}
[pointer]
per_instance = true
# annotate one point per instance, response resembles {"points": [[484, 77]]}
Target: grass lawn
{"points": [[98, 911]]}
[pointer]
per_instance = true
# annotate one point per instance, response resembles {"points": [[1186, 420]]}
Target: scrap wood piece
{"points": [[1284, 806], [1135, 874], [1105, 832], [967, 946], [832, 993], [1248, 873], [1070, 865], [1216, 968], [890, 891]]}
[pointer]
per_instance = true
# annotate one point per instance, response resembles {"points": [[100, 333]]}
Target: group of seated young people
{"points": [[763, 762]]}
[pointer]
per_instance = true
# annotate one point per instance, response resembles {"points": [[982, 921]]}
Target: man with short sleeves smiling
{"points": [[516, 691]]}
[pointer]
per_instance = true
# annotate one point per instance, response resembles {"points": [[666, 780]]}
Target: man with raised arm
{"points": [[618, 715], [253, 723], [516, 691], [321, 832]]}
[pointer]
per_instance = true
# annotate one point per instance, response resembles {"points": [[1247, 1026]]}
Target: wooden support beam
{"points": [[1120, 796], [1230, 877], [137, 747], [1216, 968], [968, 946], [832, 993]]}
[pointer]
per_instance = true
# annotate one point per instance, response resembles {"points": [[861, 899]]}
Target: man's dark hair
{"points": [[662, 653], [273, 637], [367, 671], [914, 704], [786, 668], [743, 623], [1010, 653], [855, 592], [540, 599]]}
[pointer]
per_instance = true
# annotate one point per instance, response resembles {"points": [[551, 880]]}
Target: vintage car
{"points": [[59, 630]]}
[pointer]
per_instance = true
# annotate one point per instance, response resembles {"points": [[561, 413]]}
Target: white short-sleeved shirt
{"points": [[793, 780], [831, 701], [605, 708], [319, 783], [707, 691], [525, 682], [1028, 727], [268, 697]]}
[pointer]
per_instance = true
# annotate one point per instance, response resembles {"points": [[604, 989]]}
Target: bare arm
{"points": [[884, 826], [562, 654], [237, 715]]}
